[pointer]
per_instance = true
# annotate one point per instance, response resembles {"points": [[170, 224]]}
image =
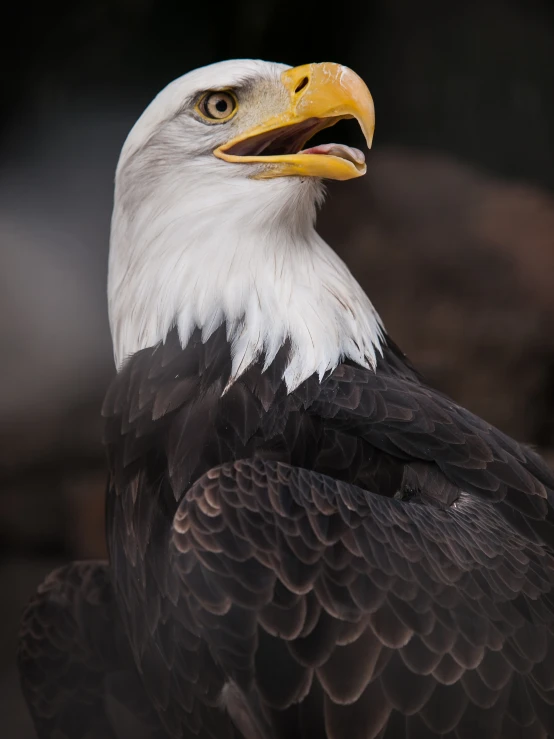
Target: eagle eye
{"points": [[218, 106]]}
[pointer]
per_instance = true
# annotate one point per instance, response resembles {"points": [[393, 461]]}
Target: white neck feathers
{"points": [[240, 252]]}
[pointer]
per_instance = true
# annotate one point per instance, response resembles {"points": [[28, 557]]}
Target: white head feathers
{"points": [[196, 241]]}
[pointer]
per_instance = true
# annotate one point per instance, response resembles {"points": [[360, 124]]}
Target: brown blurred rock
{"points": [[519, 221], [84, 497], [460, 266]]}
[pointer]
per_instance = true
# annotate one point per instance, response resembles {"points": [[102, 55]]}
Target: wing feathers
{"points": [[366, 624], [362, 553]]}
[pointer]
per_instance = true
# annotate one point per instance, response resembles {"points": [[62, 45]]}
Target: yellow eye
{"points": [[218, 106]]}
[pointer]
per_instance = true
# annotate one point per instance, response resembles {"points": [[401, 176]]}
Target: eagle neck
{"points": [[263, 272]]}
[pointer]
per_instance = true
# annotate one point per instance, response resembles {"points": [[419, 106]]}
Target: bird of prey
{"points": [[305, 539]]}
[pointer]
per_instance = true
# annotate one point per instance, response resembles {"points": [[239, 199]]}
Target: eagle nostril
{"points": [[302, 84]]}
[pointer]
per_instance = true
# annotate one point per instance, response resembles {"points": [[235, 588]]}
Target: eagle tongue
{"points": [[337, 150]]}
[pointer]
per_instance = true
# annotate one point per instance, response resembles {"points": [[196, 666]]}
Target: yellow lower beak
{"points": [[320, 96]]}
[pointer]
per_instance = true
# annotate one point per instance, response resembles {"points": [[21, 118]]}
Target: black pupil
{"points": [[221, 105]]}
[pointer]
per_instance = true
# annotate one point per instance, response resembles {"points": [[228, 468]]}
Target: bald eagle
{"points": [[305, 539]]}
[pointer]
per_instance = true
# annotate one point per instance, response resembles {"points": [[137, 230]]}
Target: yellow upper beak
{"points": [[320, 96]]}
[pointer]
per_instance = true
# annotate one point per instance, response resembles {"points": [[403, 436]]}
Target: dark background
{"points": [[451, 232]]}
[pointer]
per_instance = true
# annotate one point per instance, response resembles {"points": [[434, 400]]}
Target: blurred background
{"points": [[451, 232]]}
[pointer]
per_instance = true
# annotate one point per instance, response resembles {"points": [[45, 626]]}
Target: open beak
{"points": [[320, 96]]}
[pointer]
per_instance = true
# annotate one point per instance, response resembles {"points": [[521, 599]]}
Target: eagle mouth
{"points": [[319, 95], [289, 140]]}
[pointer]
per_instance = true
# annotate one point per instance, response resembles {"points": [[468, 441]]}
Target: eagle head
{"points": [[215, 202]]}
